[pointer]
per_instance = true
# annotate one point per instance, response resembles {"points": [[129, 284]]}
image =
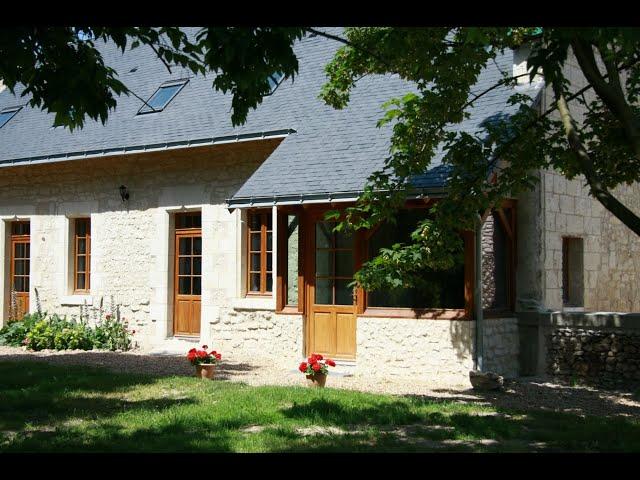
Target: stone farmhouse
{"points": [[203, 232]]}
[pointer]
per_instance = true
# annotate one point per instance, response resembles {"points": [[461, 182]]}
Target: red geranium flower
{"points": [[303, 367], [316, 367], [330, 362]]}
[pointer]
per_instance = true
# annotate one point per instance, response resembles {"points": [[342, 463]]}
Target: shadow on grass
{"points": [[38, 393]]}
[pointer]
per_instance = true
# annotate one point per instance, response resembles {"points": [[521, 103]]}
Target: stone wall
{"points": [[608, 356], [259, 335], [501, 346], [611, 250], [601, 348], [132, 256], [434, 350]]}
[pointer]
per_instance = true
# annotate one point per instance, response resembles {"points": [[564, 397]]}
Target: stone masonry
{"points": [[131, 259], [609, 356], [434, 349]]}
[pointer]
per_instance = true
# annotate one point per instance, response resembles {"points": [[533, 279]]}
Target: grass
{"points": [[46, 408]]}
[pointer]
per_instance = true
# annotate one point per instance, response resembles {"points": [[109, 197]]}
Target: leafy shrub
{"points": [[42, 336], [74, 337], [15, 333], [111, 334], [59, 333]]}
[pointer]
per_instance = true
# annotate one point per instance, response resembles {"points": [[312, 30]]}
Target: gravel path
{"points": [[525, 394]]}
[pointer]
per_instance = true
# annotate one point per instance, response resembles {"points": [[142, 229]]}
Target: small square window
{"points": [[162, 96], [7, 114]]}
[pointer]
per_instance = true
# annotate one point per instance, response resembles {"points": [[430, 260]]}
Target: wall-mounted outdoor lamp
{"points": [[124, 193]]}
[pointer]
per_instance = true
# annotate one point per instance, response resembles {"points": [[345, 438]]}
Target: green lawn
{"points": [[46, 408]]}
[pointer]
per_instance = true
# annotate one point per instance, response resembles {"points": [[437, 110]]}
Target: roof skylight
{"points": [[162, 96], [7, 114], [274, 81]]}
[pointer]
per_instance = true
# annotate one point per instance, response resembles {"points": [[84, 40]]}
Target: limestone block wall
{"points": [[132, 257], [259, 334], [611, 250], [501, 346], [434, 350]]}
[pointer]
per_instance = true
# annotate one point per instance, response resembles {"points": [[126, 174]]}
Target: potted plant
{"points": [[316, 369], [204, 362]]}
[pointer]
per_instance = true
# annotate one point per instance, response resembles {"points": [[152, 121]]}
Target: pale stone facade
{"points": [[132, 251], [435, 350]]}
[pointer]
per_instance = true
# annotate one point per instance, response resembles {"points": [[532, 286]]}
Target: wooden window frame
{"points": [[264, 215], [282, 284], [305, 214], [87, 255]]}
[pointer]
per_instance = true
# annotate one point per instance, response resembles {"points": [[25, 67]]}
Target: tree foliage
{"points": [[64, 73]]}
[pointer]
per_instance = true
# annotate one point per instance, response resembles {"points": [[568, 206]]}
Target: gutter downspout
{"points": [[477, 297]]}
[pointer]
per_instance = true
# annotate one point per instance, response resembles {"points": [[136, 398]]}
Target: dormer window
{"points": [[7, 114], [275, 80], [162, 96]]}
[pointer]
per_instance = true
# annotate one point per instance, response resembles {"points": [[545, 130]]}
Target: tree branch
{"points": [[612, 97], [598, 190], [352, 45], [160, 57]]}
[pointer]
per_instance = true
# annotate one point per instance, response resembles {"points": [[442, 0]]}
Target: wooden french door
{"points": [[188, 274], [19, 270], [332, 308]]}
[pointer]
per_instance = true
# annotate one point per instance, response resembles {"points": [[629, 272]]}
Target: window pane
{"points": [[26, 284], [20, 250], [161, 97], [81, 228], [439, 289], [292, 259], [269, 241], [18, 284], [269, 262], [344, 264], [255, 262], [324, 291], [184, 285], [27, 248], [20, 228], [344, 240], [344, 294], [196, 221], [197, 285], [268, 219], [82, 246], [82, 263], [80, 282], [255, 242], [184, 266], [185, 246], [254, 221], [197, 265], [324, 236], [197, 246], [324, 263], [269, 282], [254, 282]]}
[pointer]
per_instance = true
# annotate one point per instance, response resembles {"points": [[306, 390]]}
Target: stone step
{"points": [[175, 346]]}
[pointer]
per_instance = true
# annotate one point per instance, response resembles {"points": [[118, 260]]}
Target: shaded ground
{"points": [[57, 408], [522, 395]]}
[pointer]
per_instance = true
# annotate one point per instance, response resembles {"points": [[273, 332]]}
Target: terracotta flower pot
{"points": [[205, 371], [317, 380]]}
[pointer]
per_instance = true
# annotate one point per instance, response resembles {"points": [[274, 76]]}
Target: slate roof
{"points": [[327, 153]]}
